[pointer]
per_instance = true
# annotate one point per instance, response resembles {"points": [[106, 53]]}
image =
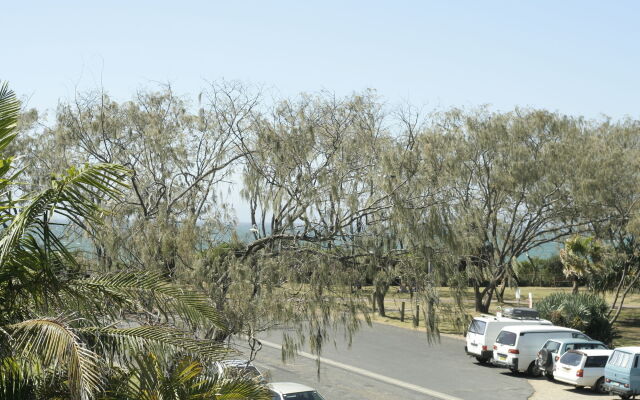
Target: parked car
{"points": [[292, 391], [553, 349], [583, 368], [516, 347], [239, 368], [622, 373], [483, 330]]}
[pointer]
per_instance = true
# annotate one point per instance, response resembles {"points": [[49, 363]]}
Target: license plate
{"points": [[502, 358]]}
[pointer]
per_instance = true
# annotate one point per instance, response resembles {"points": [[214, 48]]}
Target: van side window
{"points": [[596, 362], [635, 362], [577, 335]]}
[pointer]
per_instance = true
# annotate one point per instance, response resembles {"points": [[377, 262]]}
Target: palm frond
{"points": [[237, 389], [139, 339], [56, 345], [16, 383], [192, 307], [73, 196], [185, 379], [9, 111]]}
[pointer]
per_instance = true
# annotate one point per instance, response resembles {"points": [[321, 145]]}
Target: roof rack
{"points": [[520, 313]]}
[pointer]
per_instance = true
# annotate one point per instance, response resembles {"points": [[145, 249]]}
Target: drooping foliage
{"points": [[64, 328]]}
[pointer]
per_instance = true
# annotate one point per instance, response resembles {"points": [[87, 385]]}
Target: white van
{"points": [[516, 347], [484, 330]]}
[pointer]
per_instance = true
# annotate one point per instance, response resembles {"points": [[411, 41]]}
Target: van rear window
{"points": [[507, 338], [477, 326], [620, 359], [571, 358]]}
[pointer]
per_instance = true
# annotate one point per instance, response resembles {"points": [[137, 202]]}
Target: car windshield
{"points": [[571, 358], [585, 346], [506, 337], [477, 326], [310, 395], [242, 371], [596, 361]]}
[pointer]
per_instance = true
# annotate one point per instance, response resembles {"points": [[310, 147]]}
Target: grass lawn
{"points": [[627, 327]]}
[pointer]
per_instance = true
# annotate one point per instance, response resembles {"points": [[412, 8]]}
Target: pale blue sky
{"points": [[578, 57]]}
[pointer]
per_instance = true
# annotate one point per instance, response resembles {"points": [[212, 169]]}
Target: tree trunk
{"points": [[500, 293], [488, 296], [574, 288], [379, 299], [478, 297], [618, 289], [624, 295]]}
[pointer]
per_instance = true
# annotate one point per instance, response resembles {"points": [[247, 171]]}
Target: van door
{"points": [[619, 367], [634, 378], [475, 336]]}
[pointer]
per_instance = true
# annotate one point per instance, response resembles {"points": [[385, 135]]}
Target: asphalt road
{"points": [[386, 362]]}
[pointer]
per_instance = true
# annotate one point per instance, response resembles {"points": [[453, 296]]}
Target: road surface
{"points": [[387, 362]]}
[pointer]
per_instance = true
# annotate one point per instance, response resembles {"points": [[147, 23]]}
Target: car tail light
{"points": [[514, 351], [580, 373], [607, 380], [484, 348], [495, 347], [626, 385]]}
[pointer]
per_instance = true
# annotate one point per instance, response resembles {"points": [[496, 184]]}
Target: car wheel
{"points": [[481, 360], [600, 387], [533, 370], [549, 375]]}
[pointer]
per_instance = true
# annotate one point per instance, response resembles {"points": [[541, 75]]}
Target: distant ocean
{"points": [[244, 234]]}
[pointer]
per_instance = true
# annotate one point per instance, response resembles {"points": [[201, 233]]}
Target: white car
{"points": [[483, 330], [237, 369], [551, 352], [292, 391], [516, 347], [583, 368]]}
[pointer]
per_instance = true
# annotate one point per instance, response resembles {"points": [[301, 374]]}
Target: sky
{"points": [[575, 57]]}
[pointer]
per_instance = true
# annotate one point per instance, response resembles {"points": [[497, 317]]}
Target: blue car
{"points": [[622, 372]]}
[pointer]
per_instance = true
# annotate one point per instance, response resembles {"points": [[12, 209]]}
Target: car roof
{"points": [[574, 340], [593, 352], [235, 363], [537, 328], [288, 387], [629, 349], [494, 318]]}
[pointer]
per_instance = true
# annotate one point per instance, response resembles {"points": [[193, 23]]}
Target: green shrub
{"points": [[583, 311]]}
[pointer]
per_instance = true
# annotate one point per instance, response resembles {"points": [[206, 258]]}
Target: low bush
{"points": [[583, 311]]}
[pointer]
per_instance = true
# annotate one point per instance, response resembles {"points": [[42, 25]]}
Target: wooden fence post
{"points": [[402, 312], [416, 318]]}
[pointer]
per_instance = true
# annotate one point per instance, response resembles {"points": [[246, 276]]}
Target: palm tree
{"points": [[581, 256], [63, 330]]}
